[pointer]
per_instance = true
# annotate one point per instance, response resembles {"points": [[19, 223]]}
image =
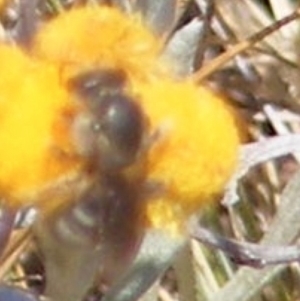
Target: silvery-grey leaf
{"points": [[283, 230], [22, 21], [156, 255], [159, 15], [259, 152], [125, 5], [7, 219], [10, 293], [182, 47]]}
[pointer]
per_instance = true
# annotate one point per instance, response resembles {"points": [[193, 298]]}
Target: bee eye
{"points": [[117, 124]]}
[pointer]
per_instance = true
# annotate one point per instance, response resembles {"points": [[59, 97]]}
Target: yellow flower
{"points": [[196, 149], [193, 154]]}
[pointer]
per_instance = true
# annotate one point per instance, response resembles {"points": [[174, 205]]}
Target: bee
{"points": [[105, 224]]}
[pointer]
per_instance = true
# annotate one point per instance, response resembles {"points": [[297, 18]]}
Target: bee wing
{"points": [[100, 233]]}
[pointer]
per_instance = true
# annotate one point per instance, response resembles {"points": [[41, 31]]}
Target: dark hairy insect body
{"points": [[105, 220]]}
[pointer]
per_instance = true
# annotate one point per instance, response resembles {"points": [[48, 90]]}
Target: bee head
{"points": [[112, 127]]}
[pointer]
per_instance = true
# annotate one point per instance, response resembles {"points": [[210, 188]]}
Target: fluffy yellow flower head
{"points": [[35, 113], [195, 149], [98, 37]]}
